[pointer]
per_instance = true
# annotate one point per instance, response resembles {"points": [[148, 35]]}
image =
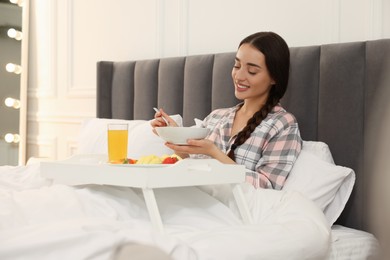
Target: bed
{"points": [[319, 214]]}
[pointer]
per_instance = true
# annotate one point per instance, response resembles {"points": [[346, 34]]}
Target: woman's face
{"points": [[251, 78]]}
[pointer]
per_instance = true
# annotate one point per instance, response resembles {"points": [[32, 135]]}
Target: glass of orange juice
{"points": [[117, 135]]}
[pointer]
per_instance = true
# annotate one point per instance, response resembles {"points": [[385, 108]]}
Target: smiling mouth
{"points": [[239, 86]]}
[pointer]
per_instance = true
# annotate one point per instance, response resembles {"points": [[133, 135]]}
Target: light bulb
{"points": [[12, 138], [12, 33], [11, 102], [10, 67]]}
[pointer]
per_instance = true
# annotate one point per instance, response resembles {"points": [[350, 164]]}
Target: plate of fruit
{"points": [[149, 161]]}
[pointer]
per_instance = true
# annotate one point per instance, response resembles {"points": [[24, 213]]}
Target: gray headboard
{"points": [[331, 91]]}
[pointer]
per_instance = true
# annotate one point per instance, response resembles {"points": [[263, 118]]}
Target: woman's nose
{"points": [[239, 75]]}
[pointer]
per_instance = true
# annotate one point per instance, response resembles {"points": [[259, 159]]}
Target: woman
{"points": [[258, 132]]}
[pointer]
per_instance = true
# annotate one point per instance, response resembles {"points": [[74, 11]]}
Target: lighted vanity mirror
{"points": [[13, 81]]}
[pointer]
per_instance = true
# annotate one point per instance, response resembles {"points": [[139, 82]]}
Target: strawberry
{"points": [[170, 160], [129, 161], [132, 161]]}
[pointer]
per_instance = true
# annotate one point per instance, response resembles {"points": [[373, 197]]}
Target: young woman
{"points": [[258, 132]]}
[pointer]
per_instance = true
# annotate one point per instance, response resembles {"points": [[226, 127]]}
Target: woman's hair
{"points": [[277, 60]]}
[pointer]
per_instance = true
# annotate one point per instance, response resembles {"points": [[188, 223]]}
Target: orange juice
{"points": [[117, 143]]}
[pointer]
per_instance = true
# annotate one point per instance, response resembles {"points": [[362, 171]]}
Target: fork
{"points": [[166, 121]]}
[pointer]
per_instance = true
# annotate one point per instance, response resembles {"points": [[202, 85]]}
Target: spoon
{"points": [[166, 121]]}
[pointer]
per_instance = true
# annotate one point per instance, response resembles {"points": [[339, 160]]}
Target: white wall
{"points": [[68, 37]]}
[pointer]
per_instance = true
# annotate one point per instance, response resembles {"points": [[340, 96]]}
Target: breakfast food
{"points": [[129, 161], [170, 160], [154, 159], [149, 159]]}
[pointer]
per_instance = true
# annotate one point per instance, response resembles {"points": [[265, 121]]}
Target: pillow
{"points": [[141, 140], [327, 184], [93, 134], [319, 149]]}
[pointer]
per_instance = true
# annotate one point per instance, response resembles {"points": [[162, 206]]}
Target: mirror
{"points": [[13, 83]]}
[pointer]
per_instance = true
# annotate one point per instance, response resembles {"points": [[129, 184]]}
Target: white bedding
{"points": [[40, 220], [348, 243]]}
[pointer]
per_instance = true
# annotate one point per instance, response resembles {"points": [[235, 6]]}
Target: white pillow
{"points": [[92, 138], [141, 140], [320, 149], [327, 184]]}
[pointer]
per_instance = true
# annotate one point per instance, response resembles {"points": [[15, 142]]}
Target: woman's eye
{"points": [[236, 66], [252, 73]]}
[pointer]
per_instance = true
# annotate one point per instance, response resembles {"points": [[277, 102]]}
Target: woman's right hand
{"points": [[160, 122]]}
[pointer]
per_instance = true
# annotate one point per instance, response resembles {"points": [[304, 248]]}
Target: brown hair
{"points": [[277, 60]]}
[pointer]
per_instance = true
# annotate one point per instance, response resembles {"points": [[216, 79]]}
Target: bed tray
{"points": [[94, 169]]}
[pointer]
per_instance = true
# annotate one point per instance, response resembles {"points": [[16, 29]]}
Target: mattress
{"points": [[348, 243]]}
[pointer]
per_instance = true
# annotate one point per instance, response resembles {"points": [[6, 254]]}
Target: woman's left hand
{"points": [[202, 146], [193, 146]]}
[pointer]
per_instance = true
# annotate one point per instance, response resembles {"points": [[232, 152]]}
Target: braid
{"points": [[252, 123]]}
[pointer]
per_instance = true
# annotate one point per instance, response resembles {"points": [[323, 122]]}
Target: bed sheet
{"points": [[348, 243], [42, 220]]}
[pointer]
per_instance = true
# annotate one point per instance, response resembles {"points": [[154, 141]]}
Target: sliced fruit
{"points": [[170, 160], [129, 161]]}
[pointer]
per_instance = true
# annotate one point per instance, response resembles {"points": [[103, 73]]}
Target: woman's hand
{"points": [[202, 146], [160, 122]]}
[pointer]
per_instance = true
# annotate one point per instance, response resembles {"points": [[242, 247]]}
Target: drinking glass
{"points": [[117, 135]]}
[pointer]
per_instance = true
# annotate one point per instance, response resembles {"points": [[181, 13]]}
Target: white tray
{"points": [[93, 169]]}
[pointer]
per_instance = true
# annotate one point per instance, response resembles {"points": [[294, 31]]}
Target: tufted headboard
{"points": [[332, 91]]}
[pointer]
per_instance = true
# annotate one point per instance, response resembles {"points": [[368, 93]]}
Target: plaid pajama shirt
{"points": [[268, 154]]}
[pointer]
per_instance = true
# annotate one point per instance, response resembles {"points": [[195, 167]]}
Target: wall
{"points": [[67, 38]]}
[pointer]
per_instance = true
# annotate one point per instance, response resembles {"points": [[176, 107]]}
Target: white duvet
{"points": [[41, 220]]}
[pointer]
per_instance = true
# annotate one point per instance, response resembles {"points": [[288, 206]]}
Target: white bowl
{"points": [[180, 135]]}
